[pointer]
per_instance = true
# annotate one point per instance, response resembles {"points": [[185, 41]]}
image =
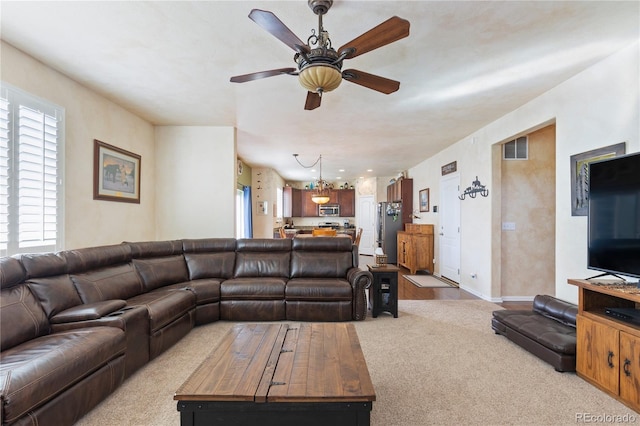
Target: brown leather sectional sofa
{"points": [[548, 330], [76, 324]]}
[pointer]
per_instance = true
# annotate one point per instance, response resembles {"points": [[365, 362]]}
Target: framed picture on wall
{"points": [[580, 175], [424, 200], [116, 173]]}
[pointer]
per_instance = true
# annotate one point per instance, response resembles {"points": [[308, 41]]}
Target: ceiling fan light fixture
{"points": [[320, 78]]}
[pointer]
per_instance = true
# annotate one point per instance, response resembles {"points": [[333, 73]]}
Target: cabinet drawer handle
{"points": [[609, 359], [625, 367]]}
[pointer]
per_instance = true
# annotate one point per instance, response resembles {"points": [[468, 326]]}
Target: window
{"points": [[516, 149], [31, 170]]}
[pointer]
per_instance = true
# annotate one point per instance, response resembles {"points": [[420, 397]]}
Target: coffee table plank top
{"points": [[326, 365], [309, 362], [234, 370]]}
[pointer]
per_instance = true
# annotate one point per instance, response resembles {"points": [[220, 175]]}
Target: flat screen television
{"points": [[614, 216]]}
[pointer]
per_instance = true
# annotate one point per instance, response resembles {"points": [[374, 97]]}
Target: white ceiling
{"points": [[464, 65]]}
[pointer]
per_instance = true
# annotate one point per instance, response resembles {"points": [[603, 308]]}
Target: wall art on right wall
{"points": [[580, 175]]}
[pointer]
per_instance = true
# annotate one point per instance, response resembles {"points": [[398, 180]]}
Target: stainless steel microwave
{"points": [[328, 210]]}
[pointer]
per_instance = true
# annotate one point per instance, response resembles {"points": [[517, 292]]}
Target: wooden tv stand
{"points": [[608, 349]]}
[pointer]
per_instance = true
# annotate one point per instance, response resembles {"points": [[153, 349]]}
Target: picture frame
{"points": [[424, 200], [580, 176], [116, 173]]}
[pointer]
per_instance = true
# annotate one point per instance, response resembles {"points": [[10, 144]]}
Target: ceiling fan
{"points": [[319, 65]]}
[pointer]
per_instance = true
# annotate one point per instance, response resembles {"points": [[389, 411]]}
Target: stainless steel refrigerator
{"points": [[388, 223]]}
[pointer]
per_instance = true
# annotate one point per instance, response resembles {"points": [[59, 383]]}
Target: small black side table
{"points": [[383, 294]]}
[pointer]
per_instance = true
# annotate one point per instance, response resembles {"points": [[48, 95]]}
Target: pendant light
{"points": [[321, 191]]}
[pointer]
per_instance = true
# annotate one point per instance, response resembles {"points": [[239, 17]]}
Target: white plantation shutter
{"points": [[4, 174], [33, 175]]}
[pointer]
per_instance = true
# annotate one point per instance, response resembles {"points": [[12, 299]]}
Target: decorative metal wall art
{"points": [[475, 188]]}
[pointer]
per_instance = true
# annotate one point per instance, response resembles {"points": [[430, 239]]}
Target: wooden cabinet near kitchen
{"points": [[415, 247], [608, 349]]}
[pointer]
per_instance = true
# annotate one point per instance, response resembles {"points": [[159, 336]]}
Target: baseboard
{"points": [[498, 299], [518, 298], [480, 295]]}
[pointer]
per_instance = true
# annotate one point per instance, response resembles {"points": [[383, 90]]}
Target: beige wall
{"points": [[528, 192], [89, 116], [595, 108], [264, 189], [196, 182]]}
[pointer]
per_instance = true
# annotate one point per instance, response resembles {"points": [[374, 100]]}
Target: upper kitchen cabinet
{"points": [[291, 202], [309, 208], [298, 203], [401, 191], [347, 201]]}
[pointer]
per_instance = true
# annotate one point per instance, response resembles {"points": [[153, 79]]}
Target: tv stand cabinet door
{"points": [[597, 353], [630, 369]]}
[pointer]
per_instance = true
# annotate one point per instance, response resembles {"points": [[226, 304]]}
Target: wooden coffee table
{"points": [[281, 374]]}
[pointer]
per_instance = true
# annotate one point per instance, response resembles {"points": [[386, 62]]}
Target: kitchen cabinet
{"points": [[308, 207], [415, 247], [402, 191], [298, 203], [608, 349], [347, 201], [291, 202]]}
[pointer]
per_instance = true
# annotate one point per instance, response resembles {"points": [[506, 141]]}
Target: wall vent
{"points": [[516, 149]]}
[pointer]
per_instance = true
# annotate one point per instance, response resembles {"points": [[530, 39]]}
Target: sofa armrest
{"points": [[88, 311], [360, 281], [556, 309]]}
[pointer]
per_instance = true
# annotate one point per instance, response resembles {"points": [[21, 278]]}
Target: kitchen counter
{"points": [[291, 232]]}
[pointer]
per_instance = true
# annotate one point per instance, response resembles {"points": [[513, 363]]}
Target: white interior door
{"points": [[449, 234], [366, 219]]}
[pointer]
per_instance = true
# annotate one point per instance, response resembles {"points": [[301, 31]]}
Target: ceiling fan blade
{"points": [[313, 101], [375, 82], [261, 74], [391, 30], [270, 22]]}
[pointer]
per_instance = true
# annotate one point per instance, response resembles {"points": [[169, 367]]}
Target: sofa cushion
{"points": [[556, 309], [205, 290], [114, 282], [43, 264], [252, 289], [38, 370], [164, 306], [321, 257], [209, 245], [86, 259], [155, 248], [55, 294], [546, 331], [21, 317], [160, 271], [262, 258], [210, 265], [318, 289], [11, 272]]}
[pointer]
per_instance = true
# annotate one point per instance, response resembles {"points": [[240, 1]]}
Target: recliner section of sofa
{"points": [[256, 290], [42, 371], [77, 323]]}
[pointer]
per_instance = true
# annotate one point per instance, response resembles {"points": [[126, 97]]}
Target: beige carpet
{"points": [[427, 281], [439, 363]]}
